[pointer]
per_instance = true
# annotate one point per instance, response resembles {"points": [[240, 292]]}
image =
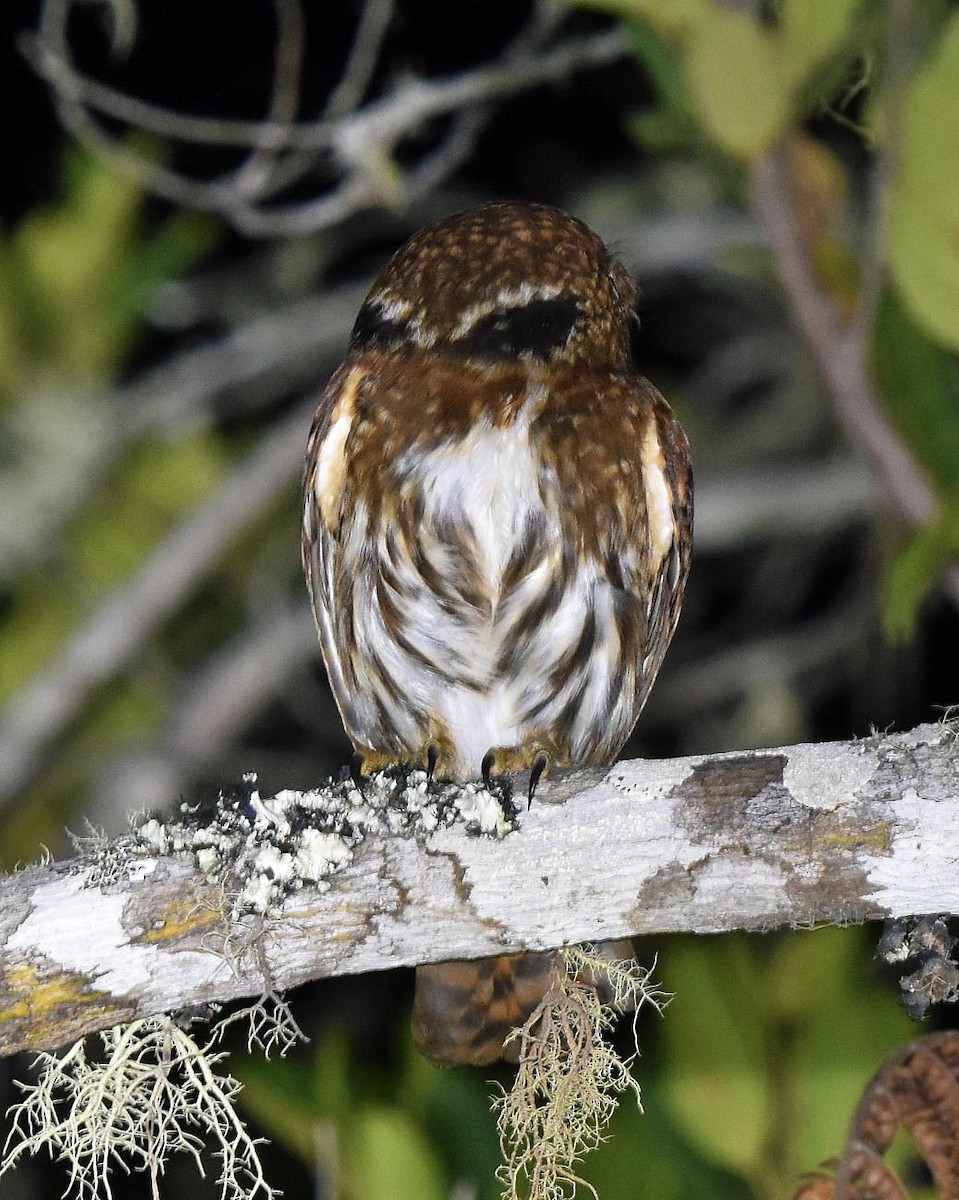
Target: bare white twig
{"points": [[355, 145]]}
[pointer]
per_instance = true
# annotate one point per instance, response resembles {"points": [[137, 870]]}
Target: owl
{"points": [[497, 532]]}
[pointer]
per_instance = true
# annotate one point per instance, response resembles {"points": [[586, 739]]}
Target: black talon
{"points": [[540, 763], [486, 767], [432, 758], [356, 770]]}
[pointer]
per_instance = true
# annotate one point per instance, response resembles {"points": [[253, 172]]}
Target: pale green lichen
{"points": [[569, 1076], [153, 1092]]}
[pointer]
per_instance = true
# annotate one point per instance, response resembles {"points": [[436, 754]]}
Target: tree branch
{"points": [[839, 832]]}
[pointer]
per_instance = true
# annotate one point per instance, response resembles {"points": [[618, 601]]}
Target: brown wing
{"points": [[325, 492], [668, 578], [621, 461]]}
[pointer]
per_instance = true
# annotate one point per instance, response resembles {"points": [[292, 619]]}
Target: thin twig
{"points": [[257, 171], [840, 350], [364, 53], [842, 353], [358, 145]]}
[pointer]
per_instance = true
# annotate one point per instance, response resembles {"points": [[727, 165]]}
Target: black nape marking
{"points": [[373, 330], [536, 328]]}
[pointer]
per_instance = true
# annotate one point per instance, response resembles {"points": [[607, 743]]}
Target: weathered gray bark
{"points": [[839, 832]]}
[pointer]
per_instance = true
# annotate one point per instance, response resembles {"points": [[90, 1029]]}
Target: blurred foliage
{"points": [[76, 277], [741, 81], [732, 85], [922, 230], [749, 1079], [76, 280], [371, 1132]]}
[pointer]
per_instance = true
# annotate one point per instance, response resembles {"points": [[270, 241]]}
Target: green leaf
{"points": [[649, 1154], [812, 30], [917, 568], [11, 331], [669, 18], [81, 270], [34, 625], [922, 226], [387, 1157], [736, 80], [670, 124], [715, 1083], [279, 1095], [744, 79], [70, 255], [454, 1107], [156, 483], [302, 1106], [919, 383], [822, 986]]}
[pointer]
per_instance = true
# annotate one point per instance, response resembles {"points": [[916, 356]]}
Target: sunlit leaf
{"points": [[919, 382], [715, 1086], [387, 1157], [916, 569], [922, 226]]}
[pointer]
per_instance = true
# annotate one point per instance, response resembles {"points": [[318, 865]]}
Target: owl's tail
{"points": [[463, 1012]]}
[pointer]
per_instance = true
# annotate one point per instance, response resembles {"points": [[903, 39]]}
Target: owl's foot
{"points": [[486, 768], [504, 761], [436, 759], [540, 764], [432, 758], [365, 762]]}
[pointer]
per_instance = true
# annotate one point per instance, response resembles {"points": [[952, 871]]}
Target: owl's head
{"points": [[501, 283]]}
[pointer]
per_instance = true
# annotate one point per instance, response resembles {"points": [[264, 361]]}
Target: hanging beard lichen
{"points": [[569, 1076]]}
